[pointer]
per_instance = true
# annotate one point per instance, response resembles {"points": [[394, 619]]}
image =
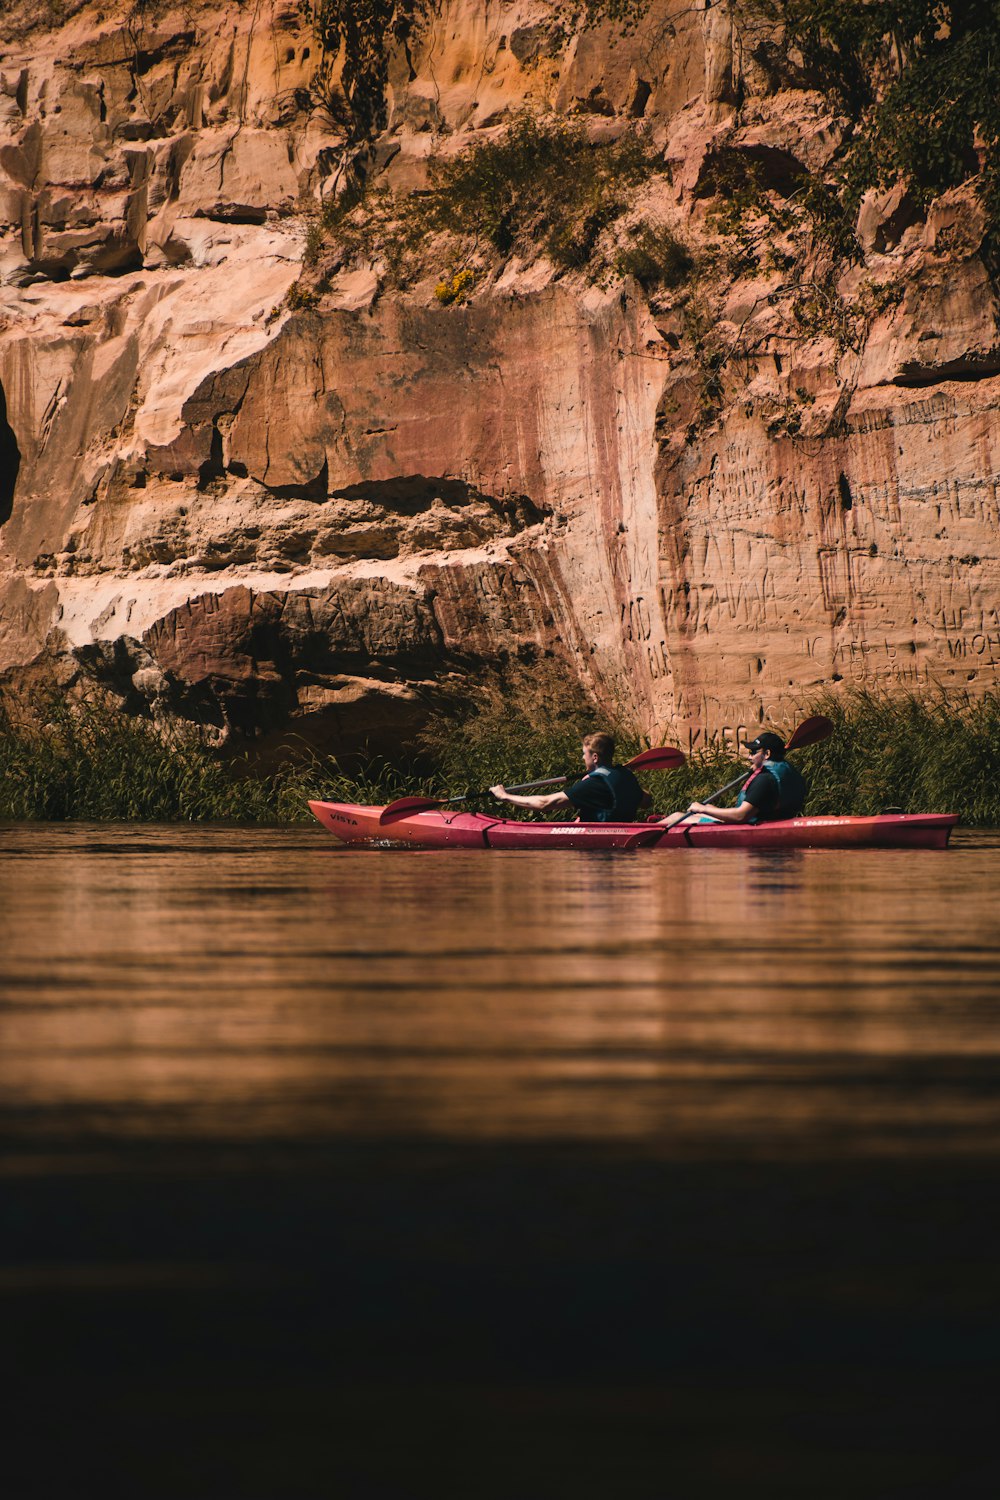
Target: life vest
{"points": [[626, 795], [791, 790]]}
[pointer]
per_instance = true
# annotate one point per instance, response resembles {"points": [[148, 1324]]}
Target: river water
{"points": [[330, 1171]]}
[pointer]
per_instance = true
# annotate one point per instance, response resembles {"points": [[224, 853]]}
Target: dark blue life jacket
{"points": [[625, 791], [791, 791]]}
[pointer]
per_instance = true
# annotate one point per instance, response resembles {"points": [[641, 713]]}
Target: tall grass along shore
{"points": [[91, 761]]}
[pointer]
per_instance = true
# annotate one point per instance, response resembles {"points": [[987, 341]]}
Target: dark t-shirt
{"points": [[762, 795], [590, 796], [593, 796]]}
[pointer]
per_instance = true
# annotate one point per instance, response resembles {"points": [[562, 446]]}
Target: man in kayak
{"points": [[773, 790], [606, 793]]}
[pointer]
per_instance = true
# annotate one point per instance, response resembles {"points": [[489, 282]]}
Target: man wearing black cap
{"points": [[774, 788]]}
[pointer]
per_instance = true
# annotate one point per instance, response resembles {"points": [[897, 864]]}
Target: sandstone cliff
{"points": [[264, 512]]}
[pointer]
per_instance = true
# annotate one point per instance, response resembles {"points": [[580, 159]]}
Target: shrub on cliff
{"points": [[915, 81], [655, 257], [354, 38], [540, 187]]}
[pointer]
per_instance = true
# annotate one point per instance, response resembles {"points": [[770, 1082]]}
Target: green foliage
{"points": [[924, 755], [821, 312], [92, 761], [741, 193], [301, 298], [917, 79], [703, 774], [655, 257], [752, 217], [763, 231], [538, 186], [625, 14], [924, 128], [357, 34], [782, 416], [831, 219], [371, 782], [21, 17], [314, 243], [711, 355], [338, 208], [512, 732], [379, 227]]}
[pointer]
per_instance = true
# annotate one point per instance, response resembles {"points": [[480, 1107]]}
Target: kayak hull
{"points": [[881, 831], [443, 829], [430, 830]]}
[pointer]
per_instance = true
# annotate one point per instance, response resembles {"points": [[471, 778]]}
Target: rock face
{"points": [[270, 514]]}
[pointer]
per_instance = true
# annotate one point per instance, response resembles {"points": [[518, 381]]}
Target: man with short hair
{"points": [[606, 793], [773, 790]]}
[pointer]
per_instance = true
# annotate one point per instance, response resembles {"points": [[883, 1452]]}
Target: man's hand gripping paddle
{"points": [[809, 732]]}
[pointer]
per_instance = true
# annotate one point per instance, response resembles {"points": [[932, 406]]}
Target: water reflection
{"points": [[220, 984], [377, 1174]]}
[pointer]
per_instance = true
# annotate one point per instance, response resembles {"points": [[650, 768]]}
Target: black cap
{"points": [[767, 741]]}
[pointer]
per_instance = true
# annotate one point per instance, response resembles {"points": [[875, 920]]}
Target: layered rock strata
{"points": [[265, 517]]}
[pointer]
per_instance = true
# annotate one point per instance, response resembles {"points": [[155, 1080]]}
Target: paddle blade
{"points": [[404, 806], [660, 758], [810, 732]]}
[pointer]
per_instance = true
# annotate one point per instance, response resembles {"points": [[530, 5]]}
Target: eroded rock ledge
{"points": [[262, 519]]}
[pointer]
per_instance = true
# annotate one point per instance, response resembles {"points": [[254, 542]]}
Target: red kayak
{"points": [[443, 829]]}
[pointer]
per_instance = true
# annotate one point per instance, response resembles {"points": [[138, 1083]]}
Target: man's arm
{"points": [[534, 804], [724, 814], [761, 797]]}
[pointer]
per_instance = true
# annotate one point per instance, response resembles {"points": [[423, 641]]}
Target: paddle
{"points": [[659, 758], [810, 732]]}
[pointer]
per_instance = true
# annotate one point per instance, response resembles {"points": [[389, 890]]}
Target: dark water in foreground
{"points": [[348, 1173]]}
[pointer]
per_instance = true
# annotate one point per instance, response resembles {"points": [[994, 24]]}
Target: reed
{"points": [[93, 761], [933, 754]]}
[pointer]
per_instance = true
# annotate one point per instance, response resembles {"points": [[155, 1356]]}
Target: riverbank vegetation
{"points": [[933, 754], [924, 755], [93, 762]]}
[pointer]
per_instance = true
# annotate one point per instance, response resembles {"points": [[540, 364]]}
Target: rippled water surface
{"points": [[270, 984], [628, 1145]]}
